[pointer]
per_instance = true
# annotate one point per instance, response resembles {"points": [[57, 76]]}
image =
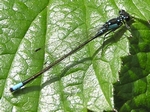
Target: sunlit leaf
{"points": [[98, 78]]}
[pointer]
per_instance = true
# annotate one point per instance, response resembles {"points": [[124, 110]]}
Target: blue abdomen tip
{"points": [[17, 86]]}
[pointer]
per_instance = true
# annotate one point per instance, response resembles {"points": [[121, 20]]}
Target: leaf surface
{"points": [[34, 34]]}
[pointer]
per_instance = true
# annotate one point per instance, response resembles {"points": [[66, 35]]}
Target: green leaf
{"points": [[34, 34]]}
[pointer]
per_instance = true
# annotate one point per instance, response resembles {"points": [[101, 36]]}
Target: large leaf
{"points": [[34, 34]]}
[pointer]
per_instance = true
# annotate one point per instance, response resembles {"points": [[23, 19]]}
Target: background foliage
{"points": [[115, 76]]}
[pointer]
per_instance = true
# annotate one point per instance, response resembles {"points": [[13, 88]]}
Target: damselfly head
{"points": [[124, 15]]}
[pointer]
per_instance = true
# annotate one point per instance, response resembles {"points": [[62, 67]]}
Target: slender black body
{"points": [[109, 26]]}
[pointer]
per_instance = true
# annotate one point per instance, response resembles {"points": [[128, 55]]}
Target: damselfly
{"points": [[108, 27]]}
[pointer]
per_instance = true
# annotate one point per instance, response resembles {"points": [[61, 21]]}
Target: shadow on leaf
{"points": [[130, 92]]}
